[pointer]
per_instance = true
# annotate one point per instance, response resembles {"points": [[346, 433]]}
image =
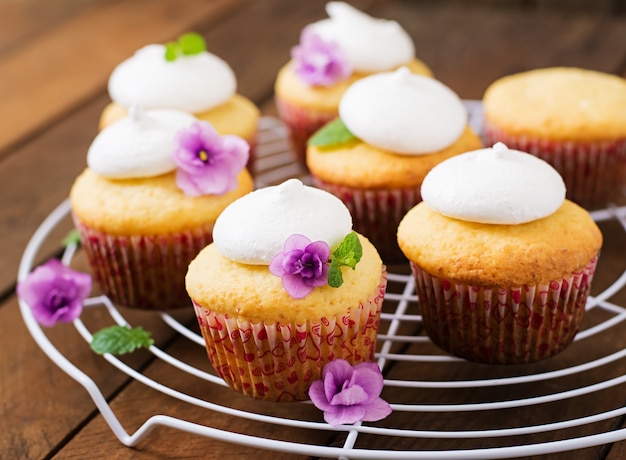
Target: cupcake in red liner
{"points": [[285, 288], [572, 118], [332, 54], [503, 263], [387, 137], [183, 75], [146, 204]]}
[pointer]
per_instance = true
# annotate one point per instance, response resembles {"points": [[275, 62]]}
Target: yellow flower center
{"points": [[203, 155]]}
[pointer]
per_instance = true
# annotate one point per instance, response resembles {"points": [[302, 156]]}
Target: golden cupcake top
{"points": [[497, 217], [335, 52], [392, 128], [559, 103], [158, 171], [285, 251]]}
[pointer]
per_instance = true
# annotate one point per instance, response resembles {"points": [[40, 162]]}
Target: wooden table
{"points": [[55, 58]]}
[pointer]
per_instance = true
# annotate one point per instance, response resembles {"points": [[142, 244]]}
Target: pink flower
{"points": [[302, 266], [349, 394], [207, 162], [319, 62], [54, 292]]}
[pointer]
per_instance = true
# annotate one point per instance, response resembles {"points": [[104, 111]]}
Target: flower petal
{"points": [[318, 397], [340, 415], [276, 265], [350, 396], [295, 287], [296, 242], [187, 184], [370, 379], [320, 248], [376, 410]]}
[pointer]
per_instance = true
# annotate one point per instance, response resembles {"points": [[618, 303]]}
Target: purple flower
{"points": [[302, 265], [207, 162], [54, 292], [318, 62], [349, 394]]}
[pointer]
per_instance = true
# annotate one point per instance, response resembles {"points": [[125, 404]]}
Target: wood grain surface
{"points": [[55, 59]]}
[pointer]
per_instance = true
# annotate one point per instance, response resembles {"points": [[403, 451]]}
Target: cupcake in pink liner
{"points": [[503, 263], [572, 118], [393, 127], [183, 75], [285, 288], [332, 54], [146, 204]]}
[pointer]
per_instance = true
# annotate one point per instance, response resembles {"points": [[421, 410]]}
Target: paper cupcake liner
{"points": [[594, 172], [376, 213], [143, 271], [301, 123], [279, 361], [510, 325]]}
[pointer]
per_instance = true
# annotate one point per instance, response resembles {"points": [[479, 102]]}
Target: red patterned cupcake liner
{"points": [[143, 271], [594, 172], [376, 213], [512, 325], [301, 124], [279, 361]]}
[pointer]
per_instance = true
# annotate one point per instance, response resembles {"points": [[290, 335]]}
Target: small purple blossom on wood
{"points": [[54, 292], [319, 62], [350, 394], [208, 164], [302, 266]]}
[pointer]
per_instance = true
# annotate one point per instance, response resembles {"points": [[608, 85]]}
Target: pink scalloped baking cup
{"points": [[143, 271], [376, 213], [301, 124], [594, 172], [279, 361], [513, 325]]}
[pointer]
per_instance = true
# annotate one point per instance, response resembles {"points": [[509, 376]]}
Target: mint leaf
{"points": [[171, 51], [335, 278], [349, 251], [119, 340], [191, 43], [186, 45], [331, 134], [73, 237]]}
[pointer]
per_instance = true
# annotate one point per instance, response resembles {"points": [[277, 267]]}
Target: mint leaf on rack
{"points": [[332, 134], [119, 340], [73, 237]]}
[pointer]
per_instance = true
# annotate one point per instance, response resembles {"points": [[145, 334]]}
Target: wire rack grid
{"points": [[401, 309]]}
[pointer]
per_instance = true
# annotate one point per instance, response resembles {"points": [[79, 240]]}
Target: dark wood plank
{"points": [[468, 46], [57, 70]]}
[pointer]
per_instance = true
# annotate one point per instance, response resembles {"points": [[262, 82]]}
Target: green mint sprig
{"points": [[73, 237], [348, 253], [119, 340], [187, 45], [332, 134]]}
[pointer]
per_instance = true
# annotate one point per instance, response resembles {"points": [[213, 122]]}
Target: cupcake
{"points": [[572, 118], [393, 127], [502, 262], [332, 54], [183, 76], [147, 201], [286, 287]]}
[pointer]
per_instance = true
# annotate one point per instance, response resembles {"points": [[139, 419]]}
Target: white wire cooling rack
{"points": [[400, 311]]}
